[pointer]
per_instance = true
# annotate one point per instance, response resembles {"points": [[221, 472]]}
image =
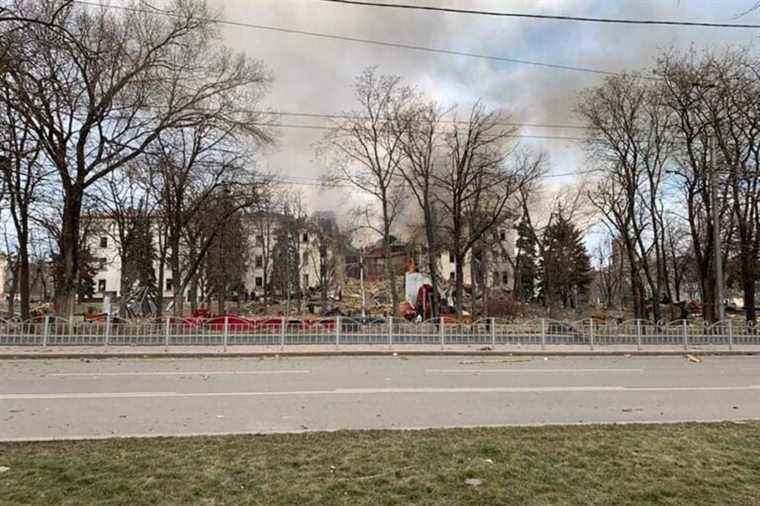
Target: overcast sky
{"points": [[314, 75]]}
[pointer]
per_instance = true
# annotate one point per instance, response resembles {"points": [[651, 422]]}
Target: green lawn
{"points": [[657, 464]]}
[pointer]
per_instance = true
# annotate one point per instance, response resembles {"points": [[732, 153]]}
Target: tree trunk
{"points": [[390, 275], [160, 282], [748, 287], [474, 285], [707, 283], [14, 288], [23, 275], [459, 284], [176, 276], [432, 258], [126, 288], [194, 294], [221, 298], [66, 288]]}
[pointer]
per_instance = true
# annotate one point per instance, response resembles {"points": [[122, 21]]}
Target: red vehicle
{"points": [[233, 323], [184, 322]]}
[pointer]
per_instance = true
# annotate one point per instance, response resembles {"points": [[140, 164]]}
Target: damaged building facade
{"points": [[279, 253]]}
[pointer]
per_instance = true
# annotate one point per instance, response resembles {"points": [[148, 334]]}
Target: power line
{"points": [[516, 136], [548, 17], [412, 47], [348, 116], [313, 181]]}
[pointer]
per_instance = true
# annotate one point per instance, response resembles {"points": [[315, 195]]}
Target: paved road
{"points": [[99, 398]]}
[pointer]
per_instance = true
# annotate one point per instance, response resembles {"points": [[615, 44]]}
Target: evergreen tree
{"points": [[566, 267], [526, 263]]}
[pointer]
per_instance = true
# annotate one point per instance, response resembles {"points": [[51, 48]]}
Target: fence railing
{"points": [[346, 332]]}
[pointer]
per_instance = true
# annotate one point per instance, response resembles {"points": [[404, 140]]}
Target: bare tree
{"points": [[690, 89], [23, 175], [193, 166], [98, 98], [630, 136], [366, 149], [477, 184], [609, 277], [329, 244], [126, 209], [422, 143]]}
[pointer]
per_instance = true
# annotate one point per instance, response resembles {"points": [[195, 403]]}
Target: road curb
{"points": [[438, 353]]}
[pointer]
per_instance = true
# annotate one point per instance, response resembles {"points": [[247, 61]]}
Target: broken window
{"points": [[259, 282], [169, 285], [259, 261], [104, 242], [101, 285]]}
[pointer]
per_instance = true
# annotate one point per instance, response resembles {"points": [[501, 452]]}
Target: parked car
{"points": [[234, 323]]}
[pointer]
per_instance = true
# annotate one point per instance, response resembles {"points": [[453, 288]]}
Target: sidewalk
{"points": [[39, 352]]}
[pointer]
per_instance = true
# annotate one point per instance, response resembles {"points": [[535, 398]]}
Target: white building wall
{"points": [[263, 231], [104, 248], [500, 272]]}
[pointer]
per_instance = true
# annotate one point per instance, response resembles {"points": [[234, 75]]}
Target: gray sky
{"points": [[315, 75]]}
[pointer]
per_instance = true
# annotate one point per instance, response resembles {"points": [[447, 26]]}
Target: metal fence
{"points": [[489, 333]]}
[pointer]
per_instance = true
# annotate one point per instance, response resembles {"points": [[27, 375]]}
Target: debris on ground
{"points": [[488, 461], [4, 469], [693, 359], [496, 361], [473, 482], [630, 410]]}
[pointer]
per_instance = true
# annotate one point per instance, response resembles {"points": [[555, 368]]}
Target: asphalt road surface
{"points": [[128, 397]]}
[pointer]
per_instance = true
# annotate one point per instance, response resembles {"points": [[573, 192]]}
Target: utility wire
{"points": [[549, 17], [517, 136], [412, 47], [348, 116], [314, 181]]}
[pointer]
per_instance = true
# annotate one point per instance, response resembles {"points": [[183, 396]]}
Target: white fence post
{"points": [[685, 331], [543, 333], [167, 329], [390, 333], [337, 332], [638, 335], [730, 336], [46, 330], [493, 332], [108, 331], [282, 334], [591, 333], [226, 332], [442, 331]]}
